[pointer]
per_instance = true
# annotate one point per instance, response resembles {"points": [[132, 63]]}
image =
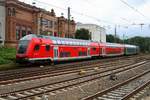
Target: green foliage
{"points": [[142, 42], [82, 34], [113, 39], [7, 55]]}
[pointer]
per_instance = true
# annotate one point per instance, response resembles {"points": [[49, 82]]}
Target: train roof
{"points": [[131, 46], [114, 44], [58, 40], [29, 37]]}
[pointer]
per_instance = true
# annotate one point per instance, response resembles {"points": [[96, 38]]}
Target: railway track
{"points": [[125, 90], [37, 92], [30, 72], [72, 70]]}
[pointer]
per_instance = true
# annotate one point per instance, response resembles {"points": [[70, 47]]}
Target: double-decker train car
{"points": [[34, 48], [130, 49], [113, 49]]}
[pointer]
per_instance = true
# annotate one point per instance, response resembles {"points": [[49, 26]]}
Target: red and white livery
{"points": [[47, 48]]}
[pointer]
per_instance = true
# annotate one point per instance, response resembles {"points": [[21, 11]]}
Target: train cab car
{"points": [[34, 48], [131, 49], [113, 49], [23, 48]]}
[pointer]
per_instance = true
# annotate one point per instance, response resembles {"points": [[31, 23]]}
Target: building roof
{"points": [[30, 7]]}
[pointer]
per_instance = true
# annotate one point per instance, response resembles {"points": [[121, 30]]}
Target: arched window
{"points": [[23, 31], [9, 12], [17, 32], [13, 11]]}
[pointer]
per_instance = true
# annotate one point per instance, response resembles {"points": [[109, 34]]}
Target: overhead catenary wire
{"points": [[75, 12], [134, 9], [82, 14]]}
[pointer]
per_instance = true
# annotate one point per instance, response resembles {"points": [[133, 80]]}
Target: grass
{"points": [[7, 55]]}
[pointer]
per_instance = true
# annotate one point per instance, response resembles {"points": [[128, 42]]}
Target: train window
{"points": [[94, 49], [37, 47], [54, 41], [64, 54], [62, 42], [59, 42], [70, 42], [47, 47], [82, 53]]}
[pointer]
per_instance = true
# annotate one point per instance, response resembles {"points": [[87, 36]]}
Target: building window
{"points": [[51, 24], [23, 31], [44, 22], [29, 30], [17, 32], [9, 11], [13, 11]]}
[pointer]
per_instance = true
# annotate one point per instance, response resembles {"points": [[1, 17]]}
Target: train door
{"points": [[88, 52], [103, 51], [55, 53]]}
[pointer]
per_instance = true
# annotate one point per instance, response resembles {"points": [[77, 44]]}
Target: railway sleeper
{"points": [[10, 97], [3, 99], [41, 89], [35, 91], [20, 95], [111, 97], [116, 92], [103, 98], [28, 93]]}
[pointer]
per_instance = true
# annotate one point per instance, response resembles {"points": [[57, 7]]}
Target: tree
{"points": [[142, 42], [112, 39], [82, 34]]}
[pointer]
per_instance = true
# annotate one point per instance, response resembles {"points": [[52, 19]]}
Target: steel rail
{"points": [[72, 84]]}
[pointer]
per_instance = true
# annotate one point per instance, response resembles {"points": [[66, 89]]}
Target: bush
{"points": [[7, 55]]}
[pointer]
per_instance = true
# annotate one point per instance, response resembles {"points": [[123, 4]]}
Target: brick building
{"points": [[63, 27], [20, 21], [47, 23], [23, 19]]}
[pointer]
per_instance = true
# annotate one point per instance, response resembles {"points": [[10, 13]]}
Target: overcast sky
{"points": [[125, 14]]}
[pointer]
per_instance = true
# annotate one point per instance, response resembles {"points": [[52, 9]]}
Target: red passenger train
{"points": [[34, 48]]}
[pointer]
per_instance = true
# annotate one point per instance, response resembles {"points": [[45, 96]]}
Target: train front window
{"points": [[23, 43], [22, 47]]}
